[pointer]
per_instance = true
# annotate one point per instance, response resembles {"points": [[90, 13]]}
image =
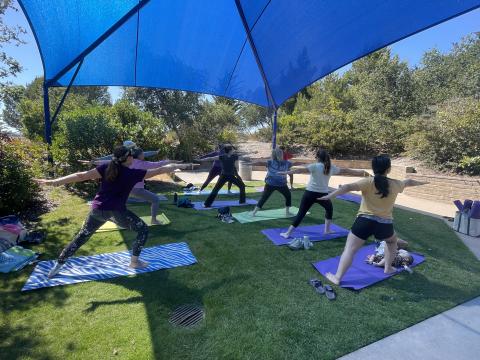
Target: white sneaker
{"points": [[55, 270], [296, 244]]}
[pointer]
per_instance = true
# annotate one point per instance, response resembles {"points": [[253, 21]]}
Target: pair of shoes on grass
{"points": [[298, 244], [321, 289]]}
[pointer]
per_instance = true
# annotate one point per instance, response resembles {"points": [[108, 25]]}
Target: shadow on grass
{"points": [[16, 337]]}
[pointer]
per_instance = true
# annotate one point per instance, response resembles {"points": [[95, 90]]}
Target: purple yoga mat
{"points": [[360, 274], [475, 212], [314, 232], [198, 205], [467, 204], [351, 197], [458, 204]]}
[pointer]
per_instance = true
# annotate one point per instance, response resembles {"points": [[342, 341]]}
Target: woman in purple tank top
{"points": [[116, 182]]}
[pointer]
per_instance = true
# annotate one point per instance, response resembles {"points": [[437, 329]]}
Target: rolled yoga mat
{"points": [[262, 215], [361, 274], [111, 226], [314, 232], [198, 205], [105, 266]]}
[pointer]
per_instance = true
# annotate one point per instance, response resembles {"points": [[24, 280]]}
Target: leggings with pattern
{"points": [[96, 218]]}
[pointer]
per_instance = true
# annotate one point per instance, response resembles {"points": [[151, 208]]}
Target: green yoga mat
{"points": [[262, 215], [110, 226]]}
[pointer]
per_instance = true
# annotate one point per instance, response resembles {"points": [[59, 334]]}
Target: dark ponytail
{"points": [[380, 165], [120, 155], [324, 158]]}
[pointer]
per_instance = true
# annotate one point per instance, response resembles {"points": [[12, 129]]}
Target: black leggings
{"points": [[221, 181], [309, 198], [214, 171], [96, 218], [269, 189]]}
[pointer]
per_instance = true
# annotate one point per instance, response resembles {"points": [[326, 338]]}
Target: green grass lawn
{"points": [[257, 300]]}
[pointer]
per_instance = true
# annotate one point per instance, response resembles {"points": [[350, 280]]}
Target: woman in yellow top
{"points": [[374, 216]]}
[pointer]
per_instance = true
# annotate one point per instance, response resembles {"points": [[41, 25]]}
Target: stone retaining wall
{"points": [[440, 188], [444, 188]]}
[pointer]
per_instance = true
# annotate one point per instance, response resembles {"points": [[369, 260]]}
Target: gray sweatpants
{"points": [[143, 194]]}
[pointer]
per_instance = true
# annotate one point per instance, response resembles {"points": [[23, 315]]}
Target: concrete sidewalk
{"points": [[454, 334]]}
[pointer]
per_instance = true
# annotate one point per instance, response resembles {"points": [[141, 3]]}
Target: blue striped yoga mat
{"points": [[106, 266]]}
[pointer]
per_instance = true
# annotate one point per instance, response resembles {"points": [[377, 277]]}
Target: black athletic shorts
{"points": [[364, 228]]}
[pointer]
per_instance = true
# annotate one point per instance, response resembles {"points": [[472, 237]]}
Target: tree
{"points": [[147, 130], [11, 96], [382, 84], [178, 109], [445, 76], [449, 137], [24, 105], [254, 117], [9, 35]]}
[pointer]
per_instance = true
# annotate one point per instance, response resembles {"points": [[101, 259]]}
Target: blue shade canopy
{"points": [[258, 51]]}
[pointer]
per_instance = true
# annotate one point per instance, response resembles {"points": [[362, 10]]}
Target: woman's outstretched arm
{"points": [[72, 178], [166, 169]]}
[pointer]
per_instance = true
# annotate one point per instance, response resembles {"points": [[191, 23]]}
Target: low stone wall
{"points": [[444, 188], [440, 188]]}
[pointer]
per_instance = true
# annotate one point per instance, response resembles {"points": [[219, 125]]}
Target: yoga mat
{"points": [[360, 274], [221, 192], [106, 266], [111, 226], [314, 232], [208, 192], [262, 215], [351, 197], [198, 205]]}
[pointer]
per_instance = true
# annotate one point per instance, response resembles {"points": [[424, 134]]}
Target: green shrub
{"points": [[85, 134], [470, 165], [449, 137], [18, 191]]}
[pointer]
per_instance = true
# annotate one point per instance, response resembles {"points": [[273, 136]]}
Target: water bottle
{"points": [[307, 244]]}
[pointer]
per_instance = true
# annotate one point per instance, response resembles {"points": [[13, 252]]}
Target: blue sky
{"points": [[411, 49]]}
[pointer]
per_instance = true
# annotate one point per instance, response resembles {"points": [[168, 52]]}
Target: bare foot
{"points": [[285, 235], [155, 222], [332, 278], [389, 270], [326, 232], [139, 264], [288, 214]]}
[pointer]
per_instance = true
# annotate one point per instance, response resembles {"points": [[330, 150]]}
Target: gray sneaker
{"points": [[55, 270], [296, 244], [307, 244]]}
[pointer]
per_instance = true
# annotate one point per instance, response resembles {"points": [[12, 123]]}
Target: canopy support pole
{"points": [[48, 124], [59, 107], [97, 42], [46, 111], [260, 67], [274, 132]]}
